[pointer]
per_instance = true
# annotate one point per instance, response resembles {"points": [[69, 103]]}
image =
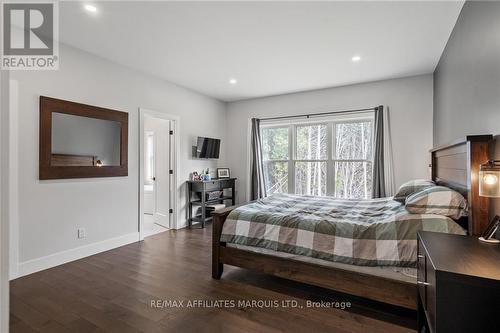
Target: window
{"points": [[275, 148], [333, 157], [353, 159], [311, 159]]}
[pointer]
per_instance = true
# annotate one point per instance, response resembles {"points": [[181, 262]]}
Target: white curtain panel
{"points": [[390, 186]]}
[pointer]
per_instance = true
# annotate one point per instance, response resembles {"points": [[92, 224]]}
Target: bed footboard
{"points": [[400, 293], [219, 218]]}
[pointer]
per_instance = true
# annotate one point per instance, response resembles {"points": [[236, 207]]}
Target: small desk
{"points": [[458, 281], [202, 188]]}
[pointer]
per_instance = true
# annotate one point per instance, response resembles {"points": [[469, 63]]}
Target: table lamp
{"points": [[489, 186]]}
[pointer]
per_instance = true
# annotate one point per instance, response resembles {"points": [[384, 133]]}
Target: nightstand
{"points": [[458, 284]]}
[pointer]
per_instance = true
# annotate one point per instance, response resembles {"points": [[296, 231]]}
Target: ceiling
{"points": [[269, 47]]}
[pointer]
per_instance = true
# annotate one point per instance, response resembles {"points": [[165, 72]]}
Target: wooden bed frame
{"points": [[454, 165]]}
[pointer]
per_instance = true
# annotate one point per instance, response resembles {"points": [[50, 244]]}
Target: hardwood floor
{"points": [[112, 292]]}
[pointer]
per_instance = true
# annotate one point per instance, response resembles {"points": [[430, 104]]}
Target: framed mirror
{"points": [[81, 141]]}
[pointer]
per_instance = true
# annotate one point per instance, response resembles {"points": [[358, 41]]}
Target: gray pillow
{"points": [[411, 187], [437, 200]]}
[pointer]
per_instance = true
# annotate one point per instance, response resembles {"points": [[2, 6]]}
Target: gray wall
{"points": [[467, 78]]}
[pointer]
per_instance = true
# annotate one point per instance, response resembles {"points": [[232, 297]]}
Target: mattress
{"points": [[374, 232], [406, 274]]}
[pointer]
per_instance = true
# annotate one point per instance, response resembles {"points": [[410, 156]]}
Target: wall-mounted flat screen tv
{"points": [[207, 148]]}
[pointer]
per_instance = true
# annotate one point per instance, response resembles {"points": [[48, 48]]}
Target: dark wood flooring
{"points": [[112, 292]]}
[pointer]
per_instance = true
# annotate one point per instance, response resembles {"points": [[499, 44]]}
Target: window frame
{"points": [[295, 160], [330, 122], [334, 158], [290, 144]]}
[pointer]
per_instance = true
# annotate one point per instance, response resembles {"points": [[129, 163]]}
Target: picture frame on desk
{"points": [[223, 173]]}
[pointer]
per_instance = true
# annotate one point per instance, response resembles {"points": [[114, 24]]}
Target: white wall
{"points": [[410, 106], [4, 202], [51, 211]]}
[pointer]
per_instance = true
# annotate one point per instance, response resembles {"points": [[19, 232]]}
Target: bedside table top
{"points": [[462, 254]]}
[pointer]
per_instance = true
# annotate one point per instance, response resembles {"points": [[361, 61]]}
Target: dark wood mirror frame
{"points": [[47, 171]]}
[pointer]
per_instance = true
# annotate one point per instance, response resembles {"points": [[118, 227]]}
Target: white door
{"points": [[162, 168]]}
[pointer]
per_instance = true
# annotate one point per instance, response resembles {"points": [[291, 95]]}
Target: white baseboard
{"points": [[56, 259], [182, 225]]}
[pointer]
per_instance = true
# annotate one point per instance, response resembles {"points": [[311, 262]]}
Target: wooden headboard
{"points": [[456, 165]]}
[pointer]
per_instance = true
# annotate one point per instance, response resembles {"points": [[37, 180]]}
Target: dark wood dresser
{"points": [[197, 196], [458, 283]]}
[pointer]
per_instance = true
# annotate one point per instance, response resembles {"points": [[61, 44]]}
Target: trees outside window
{"points": [[353, 159], [311, 159], [275, 148], [328, 158]]}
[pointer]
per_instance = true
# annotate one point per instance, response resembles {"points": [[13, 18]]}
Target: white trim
{"points": [[292, 148], [174, 151], [13, 178], [4, 202], [59, 258]]}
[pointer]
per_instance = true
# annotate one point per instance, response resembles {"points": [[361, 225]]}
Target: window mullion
{"points": [[329, 163], [333, 151]]}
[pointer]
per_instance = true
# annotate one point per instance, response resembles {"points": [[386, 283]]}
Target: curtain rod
{"points": [[321, 114]]}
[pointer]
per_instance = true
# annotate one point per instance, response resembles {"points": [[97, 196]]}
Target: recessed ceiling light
{"points": [[90, 8], [356, 58], [233, 81]]}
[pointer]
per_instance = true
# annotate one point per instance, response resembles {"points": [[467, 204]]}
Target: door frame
{"points": [[174, 158], [5, 200]]}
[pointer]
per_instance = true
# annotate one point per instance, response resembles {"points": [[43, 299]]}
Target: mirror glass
{"points": [[83, 141]]}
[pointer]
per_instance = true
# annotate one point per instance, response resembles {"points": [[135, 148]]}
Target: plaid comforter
{"points": [[377, 232]]}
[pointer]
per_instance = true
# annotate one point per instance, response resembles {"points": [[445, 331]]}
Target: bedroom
{"points": [[428, 70]]}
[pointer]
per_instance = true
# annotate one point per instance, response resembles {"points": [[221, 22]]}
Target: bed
{"points": [[353, 258]]}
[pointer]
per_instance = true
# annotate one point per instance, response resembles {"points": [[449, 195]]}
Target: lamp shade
{"points": [[489, 179]]}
